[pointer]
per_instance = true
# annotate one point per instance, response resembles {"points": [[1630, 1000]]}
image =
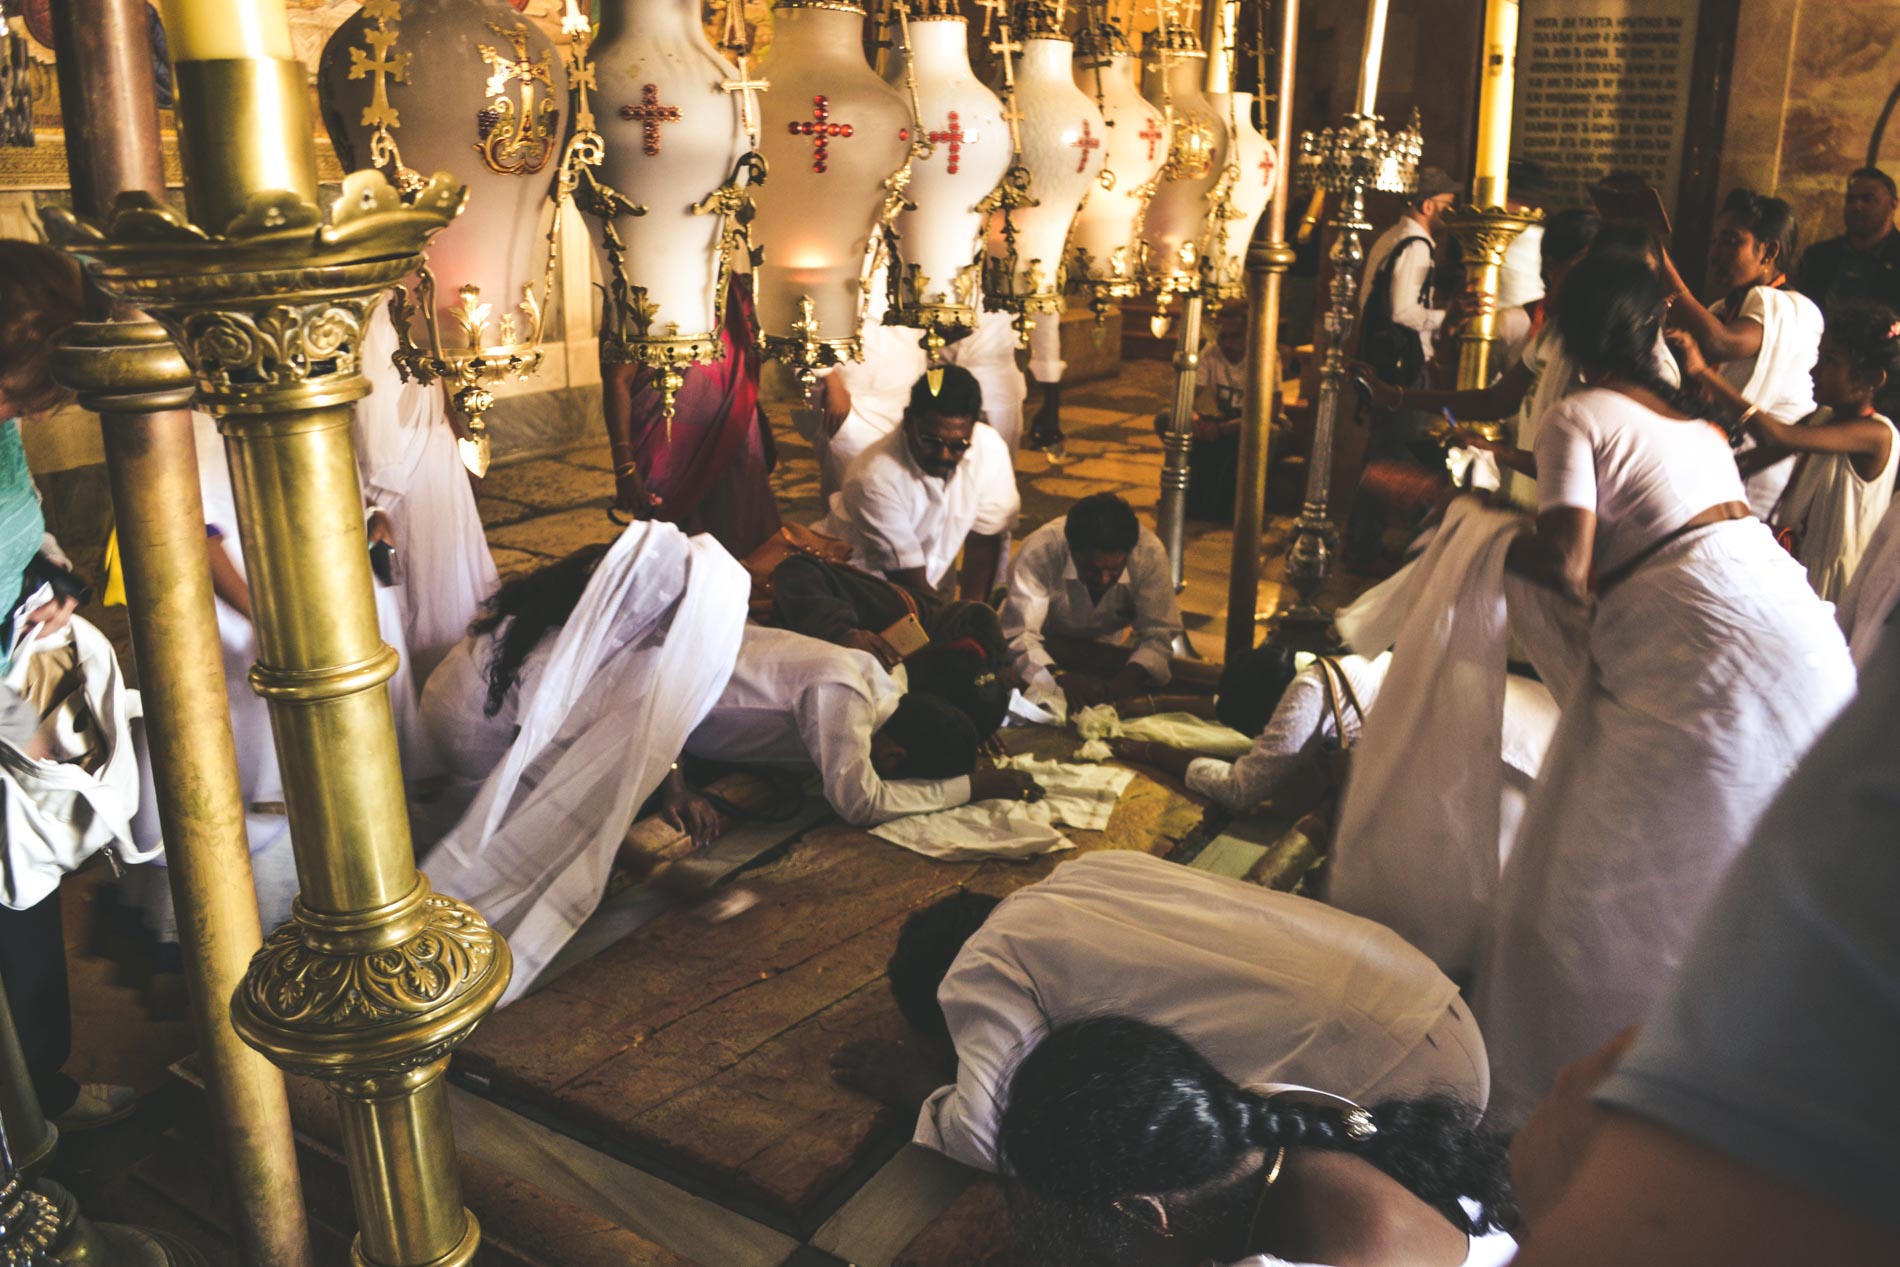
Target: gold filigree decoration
{"points": [[516, 140]]}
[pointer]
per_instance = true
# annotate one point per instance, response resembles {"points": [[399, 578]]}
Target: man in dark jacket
{"points": [[1861, 264]]}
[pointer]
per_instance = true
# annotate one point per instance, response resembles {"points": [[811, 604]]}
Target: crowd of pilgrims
{"points": [[1604, 963]]}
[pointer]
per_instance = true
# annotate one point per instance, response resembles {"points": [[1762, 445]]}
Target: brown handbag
{"points": [[789, 540]]}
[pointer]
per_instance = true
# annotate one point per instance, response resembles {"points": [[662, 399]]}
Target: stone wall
{"points": [[1811, 77]]}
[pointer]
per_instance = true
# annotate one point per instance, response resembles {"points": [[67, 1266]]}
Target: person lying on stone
{"points": [[795, 702], [940, 486], [1077, 586], [1273, 987], [849, 607]]}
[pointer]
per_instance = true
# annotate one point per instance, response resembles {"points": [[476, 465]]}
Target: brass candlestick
{"points": [[376, 980]]}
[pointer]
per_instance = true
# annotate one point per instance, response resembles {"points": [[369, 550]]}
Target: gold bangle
{"points": [[1747, 413]]}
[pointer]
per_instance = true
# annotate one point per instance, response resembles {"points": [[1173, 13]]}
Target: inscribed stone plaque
{"points": [[1603, 86]]}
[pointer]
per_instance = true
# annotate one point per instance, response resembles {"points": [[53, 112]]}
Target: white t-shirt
{"points": [[1269, 986], [896, 517], [1495, 1250], [1642, 474]]}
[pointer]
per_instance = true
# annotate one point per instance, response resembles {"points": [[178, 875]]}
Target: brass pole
{"points": [[130, 372], [1486, 228], [29, 1224], [1268, 259], [376, 980]]}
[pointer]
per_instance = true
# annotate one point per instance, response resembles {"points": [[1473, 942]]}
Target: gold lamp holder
{"points": [[491, 348], [376, 980]]}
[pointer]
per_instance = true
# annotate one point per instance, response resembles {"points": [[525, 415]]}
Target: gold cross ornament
{"points": [[378, 64]]}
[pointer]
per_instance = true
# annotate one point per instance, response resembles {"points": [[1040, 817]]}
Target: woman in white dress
{"points": [[1706, 668], [1843, 480], [1761, 334], [1125, 1147]]}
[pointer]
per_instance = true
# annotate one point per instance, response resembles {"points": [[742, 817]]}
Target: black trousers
{"points": [[33, 966]]}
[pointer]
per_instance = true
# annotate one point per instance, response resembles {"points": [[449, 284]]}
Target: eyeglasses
{"points": [[955, 448]]}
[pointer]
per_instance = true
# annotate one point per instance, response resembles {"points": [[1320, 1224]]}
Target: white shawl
{"points": [[1417, 845], [406, 455], [633, 671]]}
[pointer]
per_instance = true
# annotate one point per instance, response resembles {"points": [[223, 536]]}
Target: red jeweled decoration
{"points": [[821, 129], [650, 114], [1151, 134], [1086, 142], [955, 136]]}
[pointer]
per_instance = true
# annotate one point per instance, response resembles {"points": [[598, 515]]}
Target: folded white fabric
{"points": [[1078, 796], [1098, 721], [1191, 733]]}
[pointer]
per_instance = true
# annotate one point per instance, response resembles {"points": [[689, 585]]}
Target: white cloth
{"points": [[1301, 727], [1189, 733], [989, 353], [880, 390], [1712, 667], [1410, 278], [468, 742], [1045, 348], [1046, 597], [1521, 280], [1268, 986], [1643, 475], [896, 517], [55, 812], [1870, 598], [795, 702], [1079, 796], [1776, 379], [407, 457], [1833, 511], [1417, 842], [653, 638]]}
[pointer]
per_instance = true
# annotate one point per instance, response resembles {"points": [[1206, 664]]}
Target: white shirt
{"points": [[1834, 511], [1497, 1249], [1301, 725], [1553, 378], [796, 702], [467, 741], [1047, 597], [1642, 474], [1409, 278], [896, 517], [1268, 986], [1777, 379], [989, 353]]}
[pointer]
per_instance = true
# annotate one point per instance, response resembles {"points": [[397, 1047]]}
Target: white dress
{"points": [[1833, 511], [1868, 602], [880, 390], [989, 353], [1776, 379], [1710, 668]]}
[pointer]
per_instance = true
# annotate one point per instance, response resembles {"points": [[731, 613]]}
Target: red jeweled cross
{"points": [[1151, 134], [820, 129], [650, 114], [955, 136], [1086, 142]]}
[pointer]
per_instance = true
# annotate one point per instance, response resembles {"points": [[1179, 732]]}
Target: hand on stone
{"points": [[690, 813], [1082, 690], [897, 1074], [1004, 785]]}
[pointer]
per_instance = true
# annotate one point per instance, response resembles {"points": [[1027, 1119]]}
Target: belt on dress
{"points": [[1720, 513]]}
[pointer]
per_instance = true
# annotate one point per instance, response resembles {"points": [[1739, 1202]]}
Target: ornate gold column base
{"points": [[1484, 235]]}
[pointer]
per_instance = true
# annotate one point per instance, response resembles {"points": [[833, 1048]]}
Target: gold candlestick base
{"points": [[1484, 236]]}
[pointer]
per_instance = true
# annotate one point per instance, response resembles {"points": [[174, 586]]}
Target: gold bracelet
{"points": [[1747, 413]]}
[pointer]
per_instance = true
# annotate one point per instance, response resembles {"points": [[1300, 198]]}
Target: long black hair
{"points": [[1868, 334], [1110, 1108], [1610, 317], [1768, 220], [522, 612]]}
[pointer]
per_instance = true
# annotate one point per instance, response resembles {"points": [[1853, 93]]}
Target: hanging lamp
{"points": [[1173, 232], [1106, 236]]}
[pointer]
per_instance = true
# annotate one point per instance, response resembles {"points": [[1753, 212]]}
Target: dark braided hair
{"points": [[1110, 1108], [1865, 332], [522, 612], [1610, 317], [1769, 220]]}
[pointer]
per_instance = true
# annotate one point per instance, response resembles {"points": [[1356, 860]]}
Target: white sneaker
{"points": [[99, 1104]]}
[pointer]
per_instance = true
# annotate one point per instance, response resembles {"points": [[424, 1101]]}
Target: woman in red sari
{"points": [[708, 473]]}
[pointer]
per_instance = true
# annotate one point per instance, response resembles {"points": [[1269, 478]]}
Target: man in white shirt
{"points": [[796, 702], [1270, 986], [941, 484], [1396, 303], [864, 401], [989, 353], [1075, 587]]}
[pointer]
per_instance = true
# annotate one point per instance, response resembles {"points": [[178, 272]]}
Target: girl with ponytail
{"points": [[1124, 1147]]}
